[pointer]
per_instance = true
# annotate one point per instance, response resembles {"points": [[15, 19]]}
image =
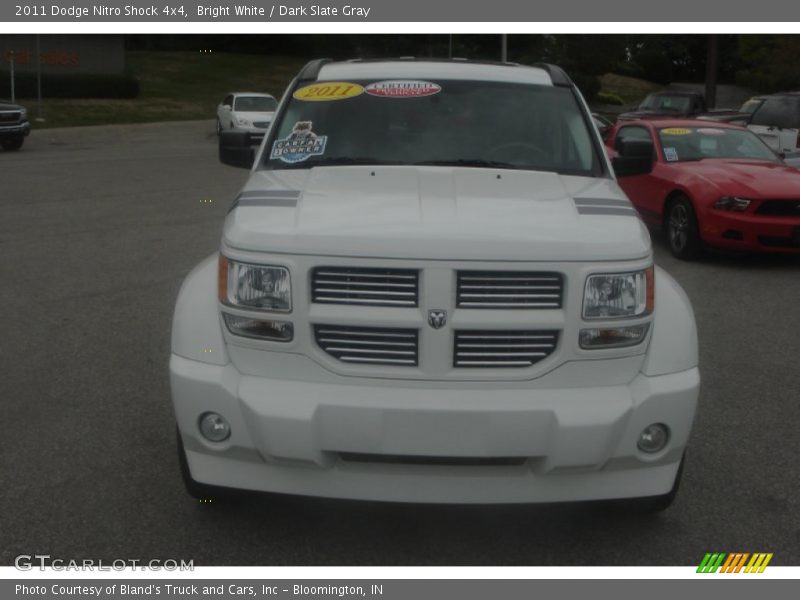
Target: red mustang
{"points": [[707, 183]]}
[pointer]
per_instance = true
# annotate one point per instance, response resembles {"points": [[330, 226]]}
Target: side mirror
{"points": [[238, 148], [635, 157]]}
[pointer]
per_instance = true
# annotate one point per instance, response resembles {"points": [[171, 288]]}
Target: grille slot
{"points": [[369, 345], [10, 116], [449, 461], [497, 349], [509, 289], [779, 208], [365, 287]]}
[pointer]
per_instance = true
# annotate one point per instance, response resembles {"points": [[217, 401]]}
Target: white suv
{"points": [[432, 289]]}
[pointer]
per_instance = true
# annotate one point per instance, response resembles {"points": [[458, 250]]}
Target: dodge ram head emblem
{"points": [[437, 318]]}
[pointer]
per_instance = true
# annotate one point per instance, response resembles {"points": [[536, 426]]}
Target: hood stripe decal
{"points": [[266, 202], [285, 198], [270, 194], [606, 210], [602, 202]]}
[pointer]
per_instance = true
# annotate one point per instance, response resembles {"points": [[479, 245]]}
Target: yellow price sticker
{"points": [[676, 131], [328, 90]]}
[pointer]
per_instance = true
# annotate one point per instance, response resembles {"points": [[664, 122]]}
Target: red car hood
{"points": [[755, 179]]}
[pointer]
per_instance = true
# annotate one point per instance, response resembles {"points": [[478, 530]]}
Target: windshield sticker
{"points": [[676, 131], [403, 89], [710, 131], [328, 90], [671, 154], [299, 145]]}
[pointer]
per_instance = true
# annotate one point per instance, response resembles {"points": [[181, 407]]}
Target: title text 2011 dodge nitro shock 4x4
{"points": [[431, 289]]}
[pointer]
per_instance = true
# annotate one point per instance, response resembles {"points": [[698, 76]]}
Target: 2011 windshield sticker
{"points": [[299, 145], [328, 91], [676, 131], [403, 89]]}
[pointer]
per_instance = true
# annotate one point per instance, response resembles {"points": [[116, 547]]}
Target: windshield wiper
{"points": [[468, 162], [334, 161]]}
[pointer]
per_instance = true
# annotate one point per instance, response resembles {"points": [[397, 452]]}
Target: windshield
{"points": [[681, 144], [255, 104], [448, 123], [667, 103]]}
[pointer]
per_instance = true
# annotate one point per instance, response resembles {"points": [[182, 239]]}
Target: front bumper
{"points": [[752, 232], [23, 128], [301, 437]]}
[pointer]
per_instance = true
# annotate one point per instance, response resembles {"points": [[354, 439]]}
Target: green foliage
{"points": [[769, 62], [609, 98], [70, 86]]}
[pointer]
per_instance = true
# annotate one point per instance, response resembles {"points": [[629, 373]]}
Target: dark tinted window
{"points": [[779, 111]]}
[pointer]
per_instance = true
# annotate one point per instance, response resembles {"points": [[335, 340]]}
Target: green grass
{"points": [[174, 86], [629, 89]]}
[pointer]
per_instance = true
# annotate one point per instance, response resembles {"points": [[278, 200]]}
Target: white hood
{"points": [[435, 213]]}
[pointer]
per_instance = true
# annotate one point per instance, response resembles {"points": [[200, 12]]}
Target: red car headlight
{"points": [[733, 203]]}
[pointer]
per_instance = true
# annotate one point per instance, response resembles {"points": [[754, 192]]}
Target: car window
{"points": [[666, 103], [632, 132], [255, 104], [685, 144], [443, 122], [779, 111], [751, 105]]}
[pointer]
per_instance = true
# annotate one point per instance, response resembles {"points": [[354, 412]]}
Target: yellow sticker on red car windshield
{"points": [[676, 131], [328, 90]]}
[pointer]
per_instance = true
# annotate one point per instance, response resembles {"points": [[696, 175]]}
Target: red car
{"points": [[707, 183]]}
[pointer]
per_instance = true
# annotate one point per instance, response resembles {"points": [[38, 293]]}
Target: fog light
{"points": [[214, 427], [653, 438]]}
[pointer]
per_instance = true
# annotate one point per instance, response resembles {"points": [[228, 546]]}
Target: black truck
{"points": [[14, 126]]}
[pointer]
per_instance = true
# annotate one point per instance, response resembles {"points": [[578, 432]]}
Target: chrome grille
{"points": [[496, 348], [509, 289], [365, 287], [369, 345]]}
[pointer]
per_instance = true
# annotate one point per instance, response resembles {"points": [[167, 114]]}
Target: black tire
{"points": [[651, 504], [11, 144], [201, 491], [681, 229], [219, 127]]}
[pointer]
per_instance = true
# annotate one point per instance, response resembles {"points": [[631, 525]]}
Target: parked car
{"points": [[14, 126], [674, 104], [432, 289], [776, 120], [246, 111], [716, 184]]}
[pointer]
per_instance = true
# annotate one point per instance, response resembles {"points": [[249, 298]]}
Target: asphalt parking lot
{"points": [[100, 225]]}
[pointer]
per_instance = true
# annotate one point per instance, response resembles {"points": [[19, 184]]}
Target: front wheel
{"points": [[12, 143], [219, 127], [680, 224]]}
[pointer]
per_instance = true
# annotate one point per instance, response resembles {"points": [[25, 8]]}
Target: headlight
{"points": [[23, 114], [733, 203], [243, 122], [618, 295], [259, 287]]}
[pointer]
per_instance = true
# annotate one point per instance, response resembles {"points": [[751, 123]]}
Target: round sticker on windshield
{"points": [[401, 88], [328, 90], [676, 131]]}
